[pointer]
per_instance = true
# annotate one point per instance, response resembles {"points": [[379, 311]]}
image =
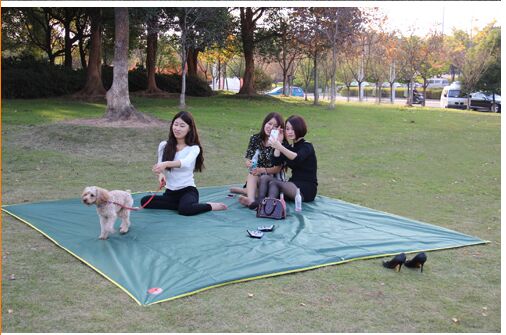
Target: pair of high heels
{"points": [[416, 262]]}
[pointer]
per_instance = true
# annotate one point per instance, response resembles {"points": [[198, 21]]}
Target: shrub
{"points": [[24, 78], [263, 82], [29, 78]]}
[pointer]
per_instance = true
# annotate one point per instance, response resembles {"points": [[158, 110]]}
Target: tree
{"points": [[312, 40], [305, 70], [431, 59], [281, 44], [40, 24], [153, 17], [479, 58], [391, 59], [249, 17], [490, 81], [358, 52], [338, 25], [409, 58], [94, 88], [118, 99], [378, 69]]}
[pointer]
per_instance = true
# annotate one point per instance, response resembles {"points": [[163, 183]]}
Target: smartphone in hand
{"points": [[274, 134]]}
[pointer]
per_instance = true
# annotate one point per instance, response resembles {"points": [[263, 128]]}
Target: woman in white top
{"points": [[178, 158]]}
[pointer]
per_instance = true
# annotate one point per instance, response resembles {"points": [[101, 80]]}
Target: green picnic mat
{"points": [[166, 256]]}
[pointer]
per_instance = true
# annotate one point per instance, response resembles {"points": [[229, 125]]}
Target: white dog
{"points": [[109, 207]]}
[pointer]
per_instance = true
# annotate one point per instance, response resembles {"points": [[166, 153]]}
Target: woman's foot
{"points": [[245, 201], [217, 206], [239, 190]]}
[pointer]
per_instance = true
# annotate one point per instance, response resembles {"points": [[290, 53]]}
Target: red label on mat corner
{"points": [[155, 290]]}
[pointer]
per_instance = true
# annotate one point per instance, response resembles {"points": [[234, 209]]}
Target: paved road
{"points": [[428, 102]]}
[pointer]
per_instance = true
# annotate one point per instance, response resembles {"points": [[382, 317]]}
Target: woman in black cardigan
{"points": [[299, 156]]}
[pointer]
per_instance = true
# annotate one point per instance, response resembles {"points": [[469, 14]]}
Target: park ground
{"points": [[433, 165]]}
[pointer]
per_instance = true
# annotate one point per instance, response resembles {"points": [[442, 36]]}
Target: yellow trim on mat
{"points": [[306, 269], [243, 279], [76, 256]]}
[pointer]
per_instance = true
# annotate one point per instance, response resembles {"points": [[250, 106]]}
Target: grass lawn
{"points": [[433, 165]]}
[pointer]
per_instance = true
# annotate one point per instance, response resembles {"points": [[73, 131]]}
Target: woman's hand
{"points": [[159, 167], [257, 171], [274, 144], [162, 180], [248, 163]]}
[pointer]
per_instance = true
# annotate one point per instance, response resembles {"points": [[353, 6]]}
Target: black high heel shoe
{"points": [[396, 262], [417, 262]]}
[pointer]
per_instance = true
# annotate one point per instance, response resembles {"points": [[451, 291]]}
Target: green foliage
{"points": [[263, 81], [26, 77]]}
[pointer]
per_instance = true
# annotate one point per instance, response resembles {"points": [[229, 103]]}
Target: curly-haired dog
{"points": [[108, 208]]}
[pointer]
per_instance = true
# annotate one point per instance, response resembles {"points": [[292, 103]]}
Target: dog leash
{"points": [[141, 207]]}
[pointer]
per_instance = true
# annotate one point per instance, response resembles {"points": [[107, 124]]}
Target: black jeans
{"points": [[185, 201]]}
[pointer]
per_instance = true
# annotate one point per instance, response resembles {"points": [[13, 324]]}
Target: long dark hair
{"points": [[192, 138], [273, 115]]}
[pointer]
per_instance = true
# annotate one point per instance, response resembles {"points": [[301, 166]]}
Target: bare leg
{"points": [[251, 186], [251, 189], [238, 190]]}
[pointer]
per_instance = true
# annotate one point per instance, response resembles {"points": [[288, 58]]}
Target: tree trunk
{"points": [[94, 88], [182, 96], [333, 78], [247, 33], [192, 60], [82, 54], [392, 93], [152, 46], [68, 42], [316, 93], [118, 99]]}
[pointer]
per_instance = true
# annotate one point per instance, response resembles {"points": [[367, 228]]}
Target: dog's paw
{"points": [[102, 237], [123, 230]]}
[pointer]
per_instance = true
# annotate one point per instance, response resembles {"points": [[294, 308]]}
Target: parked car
{"points": [[452, 97], [296, 91], [481, 101]]}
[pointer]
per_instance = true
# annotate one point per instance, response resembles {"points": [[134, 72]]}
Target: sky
{"points": [[422, 15]]}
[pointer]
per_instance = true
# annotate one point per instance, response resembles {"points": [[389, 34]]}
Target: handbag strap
{"points": [[273, 207]]}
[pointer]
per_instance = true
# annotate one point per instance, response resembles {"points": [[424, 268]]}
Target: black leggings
{"points": [[271, 187], [185, 201]]}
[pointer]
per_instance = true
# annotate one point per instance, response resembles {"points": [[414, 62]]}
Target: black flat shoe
{"points": [[417, 262], [396, 262]]}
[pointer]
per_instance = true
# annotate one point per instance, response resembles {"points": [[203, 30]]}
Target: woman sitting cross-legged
{"points": [[299, 156], [178, 158]]}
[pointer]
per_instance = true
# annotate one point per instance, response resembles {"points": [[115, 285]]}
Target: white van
{"points": [[452, 97]]}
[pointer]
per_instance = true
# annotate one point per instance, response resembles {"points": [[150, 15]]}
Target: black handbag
{"points": [[271, 208]]}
